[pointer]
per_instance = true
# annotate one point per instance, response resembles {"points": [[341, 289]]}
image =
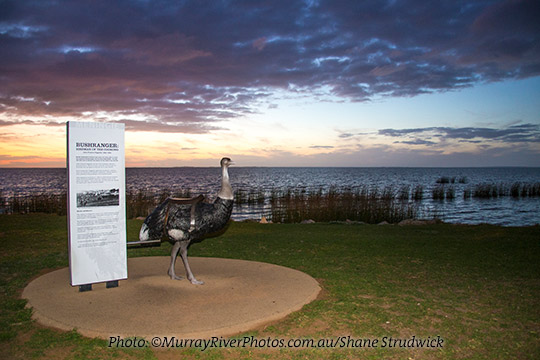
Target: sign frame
{"points": [[96, 203]]}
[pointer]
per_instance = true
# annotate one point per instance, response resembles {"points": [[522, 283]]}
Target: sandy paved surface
{"points": [[237, 296]]}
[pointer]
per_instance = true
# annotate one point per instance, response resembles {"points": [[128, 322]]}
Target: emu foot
{"points": [[196, 282], [173, 275]]}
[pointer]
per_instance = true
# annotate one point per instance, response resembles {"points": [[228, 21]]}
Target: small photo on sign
{"points": [[109, 197]]}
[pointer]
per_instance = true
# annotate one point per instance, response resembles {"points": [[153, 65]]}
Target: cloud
{"points": [[389, 156], [513, 134], [416, 142], [11, 123], [188, 66], [180, 127], [321, 147]]}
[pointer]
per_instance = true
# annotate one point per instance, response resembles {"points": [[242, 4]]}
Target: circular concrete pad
{"points": [[237, 296]]}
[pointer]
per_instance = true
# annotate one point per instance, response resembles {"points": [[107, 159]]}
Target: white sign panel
{"points": [[96, 202]]}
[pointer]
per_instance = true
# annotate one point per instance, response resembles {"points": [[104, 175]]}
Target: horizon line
{"points": [[315, 167]]}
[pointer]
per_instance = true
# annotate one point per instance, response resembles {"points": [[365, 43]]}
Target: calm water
{"points": [[506, 211]]}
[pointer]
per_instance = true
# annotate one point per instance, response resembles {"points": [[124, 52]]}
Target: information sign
{"points": [[96, 202]]}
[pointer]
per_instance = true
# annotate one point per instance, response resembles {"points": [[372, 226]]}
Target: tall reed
{"points": [[516, 190], [364, 205], [403, 193], [45, 203], [450, 193], [437, 193], [451, 180], [371, 205], [418, 193]]}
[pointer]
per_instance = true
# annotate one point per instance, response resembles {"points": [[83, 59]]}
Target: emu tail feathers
{"points": [[153, 227]]}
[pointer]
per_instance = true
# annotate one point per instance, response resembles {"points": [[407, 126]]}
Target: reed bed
{"points": [[493, 190], [35, 203], [451, 180], [370, 205], [437, 193], [365, 205], [442, 192], [418, 193], [249, 197]]}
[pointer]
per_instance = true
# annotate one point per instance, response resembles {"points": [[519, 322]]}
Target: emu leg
{"points": [[174, 253], [183, 255]]}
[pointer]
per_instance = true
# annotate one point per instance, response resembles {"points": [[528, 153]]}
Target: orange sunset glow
{"points": [[308, 83]]}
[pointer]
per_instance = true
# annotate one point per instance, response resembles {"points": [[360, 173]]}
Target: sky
{"points": [[275, 83]]}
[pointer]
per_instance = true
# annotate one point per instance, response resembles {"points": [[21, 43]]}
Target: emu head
{"points": [[226, 162]]}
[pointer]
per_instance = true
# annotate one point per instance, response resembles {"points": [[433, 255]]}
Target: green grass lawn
{"points": [[476, 287]]}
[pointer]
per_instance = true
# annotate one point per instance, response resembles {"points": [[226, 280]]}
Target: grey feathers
{"points": [[209, 218]]}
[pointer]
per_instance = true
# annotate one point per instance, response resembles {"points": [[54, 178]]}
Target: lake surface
{"points": [[506, 210]]}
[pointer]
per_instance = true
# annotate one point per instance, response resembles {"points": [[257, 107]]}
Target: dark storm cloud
{"points": [[185, 65], [512, 134]]}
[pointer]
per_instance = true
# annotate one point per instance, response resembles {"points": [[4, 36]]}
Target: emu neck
{"points": [[226, 192]]}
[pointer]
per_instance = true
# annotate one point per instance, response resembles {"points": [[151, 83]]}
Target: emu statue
{"points": [[186, 221]]}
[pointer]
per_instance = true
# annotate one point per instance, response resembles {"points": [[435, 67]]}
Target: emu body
{"points": [[183, 222]]}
